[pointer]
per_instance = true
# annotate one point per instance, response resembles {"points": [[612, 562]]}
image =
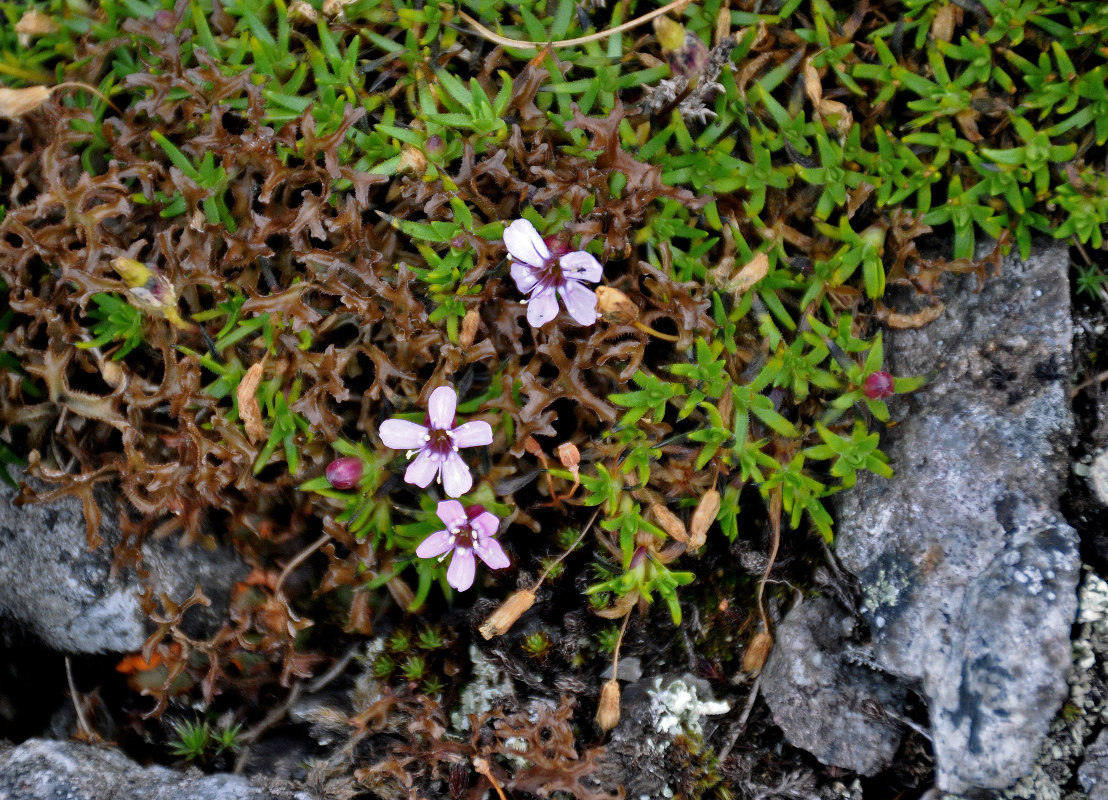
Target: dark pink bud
{"points": [[165, 19], [345, 472], [639, 557], [556, 246], [435, 145], [475, 510], [878, 385]]}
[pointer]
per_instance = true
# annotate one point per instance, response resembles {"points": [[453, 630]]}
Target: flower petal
{"points": [[435, 545], [440, 407], [456, 479], [542, 307], [452, 513], [472, 434], [525, 276], [491, 553], [524, 243], [580, 302], [582, 266], [423, 470], [462, 567], [399, 434], [485, 524]]}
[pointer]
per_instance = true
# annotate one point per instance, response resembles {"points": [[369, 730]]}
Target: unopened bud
{"points": [[412, 160], [469, 328], [505, 616], [878, 385], [301, 11], [607, 710], [757, 652], [165, 19], [434, 145], [149, 289], [615, 306], [568, 454], [706, 512], [670, 523], [345, 472]]}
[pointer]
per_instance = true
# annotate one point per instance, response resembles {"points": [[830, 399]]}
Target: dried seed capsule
{"points": [[505, 616], [469, 328], [706, 511], [615, 306], [670, 523], [757, 652], [301, 11], [568, 454], [14, 103], [35, 23], [607, 710]]}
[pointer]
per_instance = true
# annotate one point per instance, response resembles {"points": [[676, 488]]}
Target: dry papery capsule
{"points": [[568, 454], [670, 523], [757, 652], [607, 710], [469, 328], [706, 511], [505, 616], [615, 306]]}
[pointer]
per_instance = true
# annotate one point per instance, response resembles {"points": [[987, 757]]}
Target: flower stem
{"points": [[657, 334]]}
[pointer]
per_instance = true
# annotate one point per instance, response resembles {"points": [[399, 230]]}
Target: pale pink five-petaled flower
{"points": [[544, 276], [468, 531], [436, 444]]}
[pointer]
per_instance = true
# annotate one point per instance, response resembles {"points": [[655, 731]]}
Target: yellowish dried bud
{"points": [[942, 26], [35, 23], [670, 33], [412, 160], [332, 8], [749, 275], [505, 616], [615, 306], [757, 652], [301, 11], [15, 103], [568, 454], [607, 710], [249, 410], [706, 512], [670, 523], [469, 328], [150, 290]]}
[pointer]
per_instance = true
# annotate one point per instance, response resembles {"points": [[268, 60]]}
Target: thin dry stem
{"points": [[519, 44]]}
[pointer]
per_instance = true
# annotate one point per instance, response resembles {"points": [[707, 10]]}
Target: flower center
{"points": [[549, 275], [463, 535], [439, 443]]}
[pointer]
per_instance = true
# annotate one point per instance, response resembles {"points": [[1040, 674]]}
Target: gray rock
{"points": [[44, 769], [833, 708], [968, 571], [1093, 774], [69, 597]]}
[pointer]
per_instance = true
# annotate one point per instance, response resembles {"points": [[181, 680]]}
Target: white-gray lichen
{"points": [[677, 708], [480, 695]]}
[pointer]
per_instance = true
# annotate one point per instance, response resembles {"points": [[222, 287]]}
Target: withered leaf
{"points": [[247, 395]]}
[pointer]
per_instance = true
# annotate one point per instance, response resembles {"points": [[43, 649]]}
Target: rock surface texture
{"points": [[69, 597], [968, 571], [824, 701], [43, 769]]}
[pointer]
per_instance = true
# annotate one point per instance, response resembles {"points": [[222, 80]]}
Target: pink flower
{"points": [[468, 531], [436, 446], [540, 274]]}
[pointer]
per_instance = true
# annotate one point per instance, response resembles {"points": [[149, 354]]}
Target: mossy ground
{"points": [[318, 194]]}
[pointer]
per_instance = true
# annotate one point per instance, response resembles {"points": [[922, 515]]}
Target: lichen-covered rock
{"points": [[69, 597], [823, 702], [44, 769], [1093, 774], [967, 569]]}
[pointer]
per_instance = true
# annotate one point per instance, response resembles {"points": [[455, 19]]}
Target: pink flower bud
{"points": [[345, 472], [878, 385]]}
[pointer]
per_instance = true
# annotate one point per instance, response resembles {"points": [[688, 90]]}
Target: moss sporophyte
{"points": [[435, 445], [468, 531]]}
